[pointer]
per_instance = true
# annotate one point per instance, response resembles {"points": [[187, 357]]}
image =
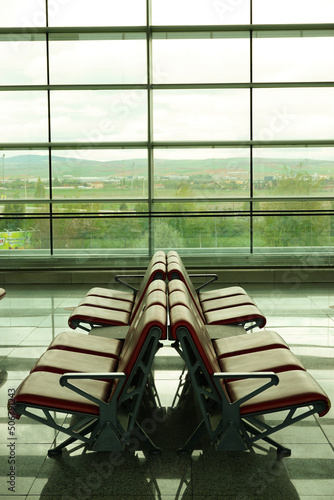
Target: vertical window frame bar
{"points": [[49, 125], [150, 160], [251, 249]]}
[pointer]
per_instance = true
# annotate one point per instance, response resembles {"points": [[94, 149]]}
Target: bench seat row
{"points": [[236, 380], [108, 307], [101, 381], [104, 307], [216, 307]]}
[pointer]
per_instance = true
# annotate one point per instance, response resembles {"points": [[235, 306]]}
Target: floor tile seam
{"points": [[325, 435], [330, 316], [31, 345], [295, 324], [286, 307], [37, 474], [314, 300], [35, 326], [7, 347]]}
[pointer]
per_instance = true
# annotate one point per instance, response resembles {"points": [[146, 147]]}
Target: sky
{"points": [[132, 12], [216, 114]]}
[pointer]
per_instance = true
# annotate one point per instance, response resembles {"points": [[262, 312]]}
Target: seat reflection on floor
{"points": [[134, 475]]}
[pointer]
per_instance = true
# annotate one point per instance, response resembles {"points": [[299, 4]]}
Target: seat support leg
{"points": [[141, 434], [57, 450], [188, 447], [282, 451]]}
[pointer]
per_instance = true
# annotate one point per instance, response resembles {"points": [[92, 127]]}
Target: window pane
{"points": [[30, 236], [296, 205], [299, 58], [20, 13], [24, 174], [118, 209], [300, 113], [97, 60], [198, 206], [178, 12], [24, 59], [215, 233], [293, 171], [202, 173], [84, 173], [98, 236], [292, 233], [220, 208], [201, 114], [97, 116], [298, 11], [101, 13], [194, 60], [23, 116]]}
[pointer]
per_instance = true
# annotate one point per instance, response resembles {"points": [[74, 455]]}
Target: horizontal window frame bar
{"points": [[244, 199], [167, 28], [54, 87], [164, 86], [240, 144], [241, 85], [13, 146], [207, 260], [69, 201], [243, 27], [35, 146], [27, 30], [172, 215]]}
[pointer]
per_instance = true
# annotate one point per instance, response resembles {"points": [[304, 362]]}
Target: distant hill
{"points": [[38, 166]]}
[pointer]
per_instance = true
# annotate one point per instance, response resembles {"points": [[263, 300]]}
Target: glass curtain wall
{"points": [[205, 127]]}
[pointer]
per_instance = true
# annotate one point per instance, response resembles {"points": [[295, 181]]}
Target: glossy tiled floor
{"points": [[32, 315]]}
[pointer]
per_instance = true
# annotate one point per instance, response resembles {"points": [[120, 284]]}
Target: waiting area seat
{"points": [[103, 307], [247, 315], [100, 382], [217, 307], [234, 392], [247, 386]]}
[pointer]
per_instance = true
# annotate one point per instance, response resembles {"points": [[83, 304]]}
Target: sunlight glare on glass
{"points": [[98, 13], [296, 11], [204, 12], [22, 13]]}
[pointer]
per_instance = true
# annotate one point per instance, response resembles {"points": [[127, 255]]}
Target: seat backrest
{"points": [[155, 298], [156, 270], [184, 316], [187, 327], [147, 328], [156, 293], [177, 271], [178, 293]]}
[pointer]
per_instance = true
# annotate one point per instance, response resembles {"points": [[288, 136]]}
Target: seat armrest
{"points": [[64, 382], [213, 277], [274, 380], [119, 278]]}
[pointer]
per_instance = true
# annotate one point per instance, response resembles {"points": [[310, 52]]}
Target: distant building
{"points": [[97, 185]]}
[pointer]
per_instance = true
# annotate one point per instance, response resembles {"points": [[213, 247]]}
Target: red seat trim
{"points": [[295, 388], [42, 389]]}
